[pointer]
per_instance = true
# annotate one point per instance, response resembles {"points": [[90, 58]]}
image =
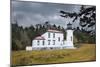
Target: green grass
{"points": [[85, 53]]}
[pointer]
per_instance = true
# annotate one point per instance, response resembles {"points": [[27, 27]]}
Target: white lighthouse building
{"points": [[69, 41], [53, 39]]}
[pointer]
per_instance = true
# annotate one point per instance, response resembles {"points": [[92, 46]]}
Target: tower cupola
{"points": [[69, 26]]}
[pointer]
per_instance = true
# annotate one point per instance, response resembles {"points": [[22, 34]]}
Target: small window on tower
{"points": [[71, 38], [63, 42], [58, 38]]}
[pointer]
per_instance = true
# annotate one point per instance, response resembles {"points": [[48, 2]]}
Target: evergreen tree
{"points": [[87, 18]]}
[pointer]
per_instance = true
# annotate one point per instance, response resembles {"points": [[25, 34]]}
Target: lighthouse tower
{"points": [[69, 36]]}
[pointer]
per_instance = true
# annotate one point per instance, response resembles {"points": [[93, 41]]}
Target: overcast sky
{"points": [[31, 13]]}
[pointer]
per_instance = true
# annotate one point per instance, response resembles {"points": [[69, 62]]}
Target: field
{"points": [[87, 52]]}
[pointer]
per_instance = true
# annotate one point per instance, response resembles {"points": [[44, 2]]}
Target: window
{"points": [[71, 38], [53, 35], [38, 42], [48, 42], [63, 42], [48, 34], [43, 42], [58, 38], [53, 42]]}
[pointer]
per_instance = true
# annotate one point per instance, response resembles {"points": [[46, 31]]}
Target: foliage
{"points": [[87, 16], [22, 37], [85, 32]]}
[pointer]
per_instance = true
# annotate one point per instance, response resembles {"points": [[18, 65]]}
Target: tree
{"points": [[87, 17], [54, 27], [47, 25]]}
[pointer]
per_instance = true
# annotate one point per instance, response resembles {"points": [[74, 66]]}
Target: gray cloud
{"points": [[31, 13]]}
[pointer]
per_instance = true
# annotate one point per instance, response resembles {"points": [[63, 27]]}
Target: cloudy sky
{"points": [[31, 13]]}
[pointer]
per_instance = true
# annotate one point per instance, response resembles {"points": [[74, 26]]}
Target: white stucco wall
{"points": [[57, 35], [69, 35], [69, 41], [62, 44], [28, 48], [45, 35]]}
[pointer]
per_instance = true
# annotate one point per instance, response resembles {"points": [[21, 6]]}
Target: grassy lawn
{"points": [[85, 53]]}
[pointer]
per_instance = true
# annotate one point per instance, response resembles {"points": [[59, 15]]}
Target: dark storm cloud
{"points": [[31, 13]]}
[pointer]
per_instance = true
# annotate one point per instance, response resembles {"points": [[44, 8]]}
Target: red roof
{"points": [[40, 38], [56, 31]]}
